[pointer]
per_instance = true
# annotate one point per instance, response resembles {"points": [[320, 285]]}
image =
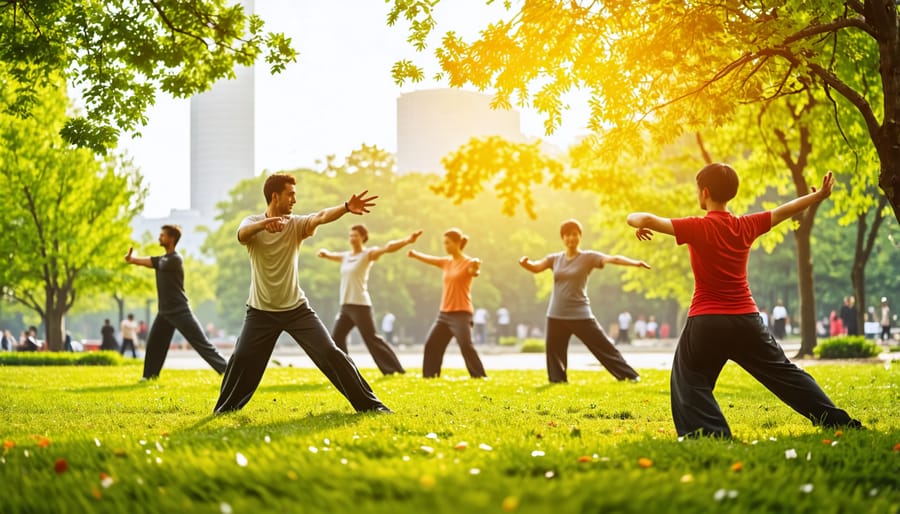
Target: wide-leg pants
{"points": [[361, 317], [446, 327], [160, 338], [559, 331]]}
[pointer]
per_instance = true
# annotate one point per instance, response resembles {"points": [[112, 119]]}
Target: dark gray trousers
{"points": [[446, 327], [361, 317], [160, 339], [256, 342], [559, 331], [707, 343]]}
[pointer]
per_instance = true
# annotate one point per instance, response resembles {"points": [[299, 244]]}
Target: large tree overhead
{"points": [[121, 53], [668, 67]]}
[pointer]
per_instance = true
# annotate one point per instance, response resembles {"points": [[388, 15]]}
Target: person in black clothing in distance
{"points": [[174, 310]]}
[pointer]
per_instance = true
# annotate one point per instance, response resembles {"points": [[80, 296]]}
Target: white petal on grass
{"points": [[537, 453], [267, 439], [405, 458], [426, 449], [326, 441], [344, 461], [474, 471], [719, 495], [549, 474], [808, 455], [106, 482], [97, 442], [241, 460], [834, 443], [873, 492], [431, 435], [159, 460], [806, 488], [159, 447], [790, 454], [225, 508], [485, 447], [142, 442], [313, 449]]}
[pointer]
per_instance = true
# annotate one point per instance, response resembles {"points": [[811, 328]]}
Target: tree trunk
{"points": [[120, 303], [55, 321], [864, 244], [805, 288]]}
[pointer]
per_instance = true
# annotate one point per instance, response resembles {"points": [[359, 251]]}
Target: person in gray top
{"points": [[570, 313]]}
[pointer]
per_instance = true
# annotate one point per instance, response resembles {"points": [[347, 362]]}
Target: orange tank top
{"points": [[457, 294]]}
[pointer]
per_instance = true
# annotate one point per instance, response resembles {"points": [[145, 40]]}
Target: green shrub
{"points": [[508, 341], [61, 359], [532, 345], [847, 347]]}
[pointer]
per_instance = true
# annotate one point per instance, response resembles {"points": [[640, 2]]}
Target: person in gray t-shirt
{"points": [[356, 304], [570, 313]]}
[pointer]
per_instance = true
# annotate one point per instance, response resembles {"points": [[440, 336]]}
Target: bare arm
{"points": [[331, 256], [357, 204], [798, 205], [393, 246], [246, 232], [624, 261], [535, 266], [646, 224], [475, 267], [130, 258], [427, 259]]}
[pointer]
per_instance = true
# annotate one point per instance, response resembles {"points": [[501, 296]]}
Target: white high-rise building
{"points": [[222, 138], [434, 122]]}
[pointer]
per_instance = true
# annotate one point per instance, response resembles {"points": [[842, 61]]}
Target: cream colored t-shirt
{"points": [[128, 329], [355, 278], [274, 264]]}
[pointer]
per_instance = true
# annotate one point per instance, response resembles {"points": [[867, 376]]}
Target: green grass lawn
{"points": [[510, 443]]}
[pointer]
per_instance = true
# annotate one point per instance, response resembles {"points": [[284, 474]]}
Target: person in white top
{"points": [[387, 326], [480, 319], [624, 327], [277, 303], [503, 322], [356, 304], [779, 320], [128, 329], [885, 320]]}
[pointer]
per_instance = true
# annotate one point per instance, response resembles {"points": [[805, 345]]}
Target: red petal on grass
{"points": [[7, 444], [897, 447], [551, 424], [585, 458], [61, 466], [737, 466], [838, 433], [645, 463], [510, 504], [95, 492], [826, 441], [43, 442]]}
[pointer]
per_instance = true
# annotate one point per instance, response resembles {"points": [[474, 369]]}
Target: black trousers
{"points": [[885, 333], [707, 342], [779, 326], [256, 342], [361, 317], [560, 331], [446, 327], [128, 343], [624, 336], [160, 338]]}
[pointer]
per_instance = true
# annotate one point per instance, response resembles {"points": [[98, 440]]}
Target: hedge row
{"points": [[61, 359]]}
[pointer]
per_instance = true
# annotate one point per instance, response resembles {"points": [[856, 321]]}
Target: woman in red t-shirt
{"points": [[455, 316]]}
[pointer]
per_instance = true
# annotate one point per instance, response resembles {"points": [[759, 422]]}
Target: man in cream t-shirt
{"points": [[277, 303]]}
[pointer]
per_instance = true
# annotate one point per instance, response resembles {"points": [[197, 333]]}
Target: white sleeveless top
{"points": [[355, 278]]}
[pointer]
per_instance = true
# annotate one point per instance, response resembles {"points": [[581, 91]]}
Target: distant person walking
{"points": [[885, 320], [504, 323], [8, 341], [174, 309], [356, 303], [779, 320], [455, 316], [480, 319], [277, 303], [569, 312], [128, 328], [388, 323], [624, 320], [108, 337], [848, 316]]}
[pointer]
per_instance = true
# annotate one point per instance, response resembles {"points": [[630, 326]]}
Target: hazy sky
{"points": [[337, 95]]}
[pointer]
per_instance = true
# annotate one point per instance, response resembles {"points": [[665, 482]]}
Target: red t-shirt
{"points": [[719, 244]]}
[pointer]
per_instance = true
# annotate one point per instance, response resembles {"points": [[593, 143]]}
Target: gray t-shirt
{"points": [[274, 264], [170, 294], [569, 299], [355, 278]]}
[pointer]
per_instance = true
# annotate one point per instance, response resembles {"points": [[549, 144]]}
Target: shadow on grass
{"points": [[111, 388], [295, 388]]}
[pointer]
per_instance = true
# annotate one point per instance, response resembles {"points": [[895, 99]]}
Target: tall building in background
{"points": [[222, 138], [434, 122]]}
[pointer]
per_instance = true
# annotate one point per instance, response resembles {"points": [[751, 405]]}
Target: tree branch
{"points": [[173, 28], [840, 23], [706, 158], [876, 224]]}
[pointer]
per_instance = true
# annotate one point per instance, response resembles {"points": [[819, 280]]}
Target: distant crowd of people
{"points": [[845, 320]]}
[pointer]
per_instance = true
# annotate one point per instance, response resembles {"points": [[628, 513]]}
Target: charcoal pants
{"points": [[446, 327], [256, 342], [707, 342], [126, 344], [361, 317], [589, 331], [160, 339]]}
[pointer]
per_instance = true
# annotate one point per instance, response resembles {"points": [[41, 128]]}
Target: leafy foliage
{"points": [[62, 359], [847, 347]]}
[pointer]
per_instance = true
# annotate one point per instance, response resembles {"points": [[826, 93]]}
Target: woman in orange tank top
{"points": [[455, 317]]}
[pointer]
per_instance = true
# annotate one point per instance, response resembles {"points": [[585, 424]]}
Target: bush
{"points": [[508, 341], [533, 346], [61, 359], [847, 347]]}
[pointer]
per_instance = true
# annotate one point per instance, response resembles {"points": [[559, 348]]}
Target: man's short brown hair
{"points": [[173, 231], [275, 184]]}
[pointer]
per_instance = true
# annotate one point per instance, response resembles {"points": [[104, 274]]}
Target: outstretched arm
{"points": [[475, 267], [331, 256], [647, 223], [357, 204], [393, 246], [535, 266], [246, 232], [797, 205], [624, 261], [130, 258], [427, 259]]}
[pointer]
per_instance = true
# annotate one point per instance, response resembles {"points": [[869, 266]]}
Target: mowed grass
{"points": [[511, 443]]}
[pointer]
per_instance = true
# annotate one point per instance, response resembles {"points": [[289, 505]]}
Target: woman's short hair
{"points": [[569, 226], [362, 231], [456, 235]]}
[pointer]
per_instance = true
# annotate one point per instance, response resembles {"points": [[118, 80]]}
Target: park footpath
{"points": [[641, 354]]}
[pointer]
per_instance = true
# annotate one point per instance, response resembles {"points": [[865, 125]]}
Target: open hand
{"points": [[128, 255], [644, 234], [359, 204], [414, 236], [827, 186], [644, 265]]}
